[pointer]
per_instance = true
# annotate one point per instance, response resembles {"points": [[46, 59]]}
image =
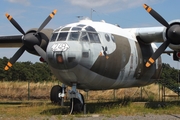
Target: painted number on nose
{"points": [[60, 47]]}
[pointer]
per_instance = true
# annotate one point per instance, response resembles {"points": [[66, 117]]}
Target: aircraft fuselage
{"points": [[98, 55]]}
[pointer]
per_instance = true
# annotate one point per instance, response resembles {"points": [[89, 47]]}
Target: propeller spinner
{"points": [[30, 40], [172, 34]]}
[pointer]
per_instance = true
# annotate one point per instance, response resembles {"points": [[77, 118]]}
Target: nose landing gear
{"points": [[76, 99]]}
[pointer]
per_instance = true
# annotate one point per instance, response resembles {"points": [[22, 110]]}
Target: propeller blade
{"points": [[15, 57], [16, 25], [158, 17], [158, 52], [40, 51], [46, 21]]}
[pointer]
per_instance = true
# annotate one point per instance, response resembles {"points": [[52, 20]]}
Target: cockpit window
{"points": [[81, 25], [54, 36], [94, 38], [84, 37], [66, 29], [74, 36], [62, 36], [76, 29], [91, 29]]}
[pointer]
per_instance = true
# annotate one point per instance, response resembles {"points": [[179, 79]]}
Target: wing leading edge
{"points": [[11, 41]]}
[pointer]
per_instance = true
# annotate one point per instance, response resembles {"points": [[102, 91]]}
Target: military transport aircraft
{"points": [[91, 55]]}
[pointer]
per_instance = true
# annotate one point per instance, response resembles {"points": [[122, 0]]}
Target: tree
{"points": [[169, 76], [24, 71]]}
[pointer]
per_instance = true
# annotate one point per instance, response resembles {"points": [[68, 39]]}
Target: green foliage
{"points": [[170, 77], [25, 71], [169, 73]]}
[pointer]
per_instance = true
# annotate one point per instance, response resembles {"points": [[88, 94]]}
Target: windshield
{"points": [[84, 37], [80, 32], [74, 36], [62, 36], [54, 36]]}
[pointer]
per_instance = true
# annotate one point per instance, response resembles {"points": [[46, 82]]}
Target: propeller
{"points": [[172, 34], [30, 40], [46, 21], [16, 25]]}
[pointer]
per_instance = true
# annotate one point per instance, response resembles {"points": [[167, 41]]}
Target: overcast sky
{"points": [[126, 13]]}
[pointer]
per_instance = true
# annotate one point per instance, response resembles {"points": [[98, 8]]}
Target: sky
{"points": [[127, 13]]}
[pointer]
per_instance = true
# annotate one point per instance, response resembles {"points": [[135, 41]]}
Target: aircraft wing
{"points": [[148, 34], [169, 52], [11, 41]]}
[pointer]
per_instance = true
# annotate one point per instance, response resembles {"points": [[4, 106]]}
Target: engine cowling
{"points": [[173, 34], [43, 40]]}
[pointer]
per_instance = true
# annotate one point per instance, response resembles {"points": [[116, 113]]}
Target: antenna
{"points": [[92, 10], [79, 17]]}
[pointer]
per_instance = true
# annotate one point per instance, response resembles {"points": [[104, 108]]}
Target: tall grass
{"points": [[97, 102], [19, 90], [41, 91]]}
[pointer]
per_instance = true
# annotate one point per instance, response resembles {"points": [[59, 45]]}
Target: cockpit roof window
{"points": [[62, 36], [76, 29], [81, 25], [66, 29], [54, 36], [89, 28]]}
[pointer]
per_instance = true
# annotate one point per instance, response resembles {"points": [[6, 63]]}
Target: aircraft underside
{"points": [[89, 80]]}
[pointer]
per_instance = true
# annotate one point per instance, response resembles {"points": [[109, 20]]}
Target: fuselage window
{"points": [[62, 36], [84, 37], [54, 36], [112, 37], [94, 38], [74, 36], [107, 37]]}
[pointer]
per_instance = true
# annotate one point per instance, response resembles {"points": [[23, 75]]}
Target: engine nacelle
{"points": [[45, 36], [149, 35], [174, 47], [173, 37]]}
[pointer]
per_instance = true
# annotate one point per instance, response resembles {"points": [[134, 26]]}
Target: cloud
{"points": [[92, 3], [110, 5], [23, 2]]}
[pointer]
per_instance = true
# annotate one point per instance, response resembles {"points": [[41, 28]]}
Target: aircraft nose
{"points": [[62, 55]]}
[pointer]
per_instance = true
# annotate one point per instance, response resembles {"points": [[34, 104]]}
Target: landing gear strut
{"points": [[76, 100]]}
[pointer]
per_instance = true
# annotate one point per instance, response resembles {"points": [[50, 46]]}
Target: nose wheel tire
{"points": [[54, 94], [76, 106]]}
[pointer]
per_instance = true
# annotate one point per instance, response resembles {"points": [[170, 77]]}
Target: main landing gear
{"points": [[57, 94], [76, 99]]}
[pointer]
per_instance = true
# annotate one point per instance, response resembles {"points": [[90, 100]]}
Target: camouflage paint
{"points": [[117, 60]]}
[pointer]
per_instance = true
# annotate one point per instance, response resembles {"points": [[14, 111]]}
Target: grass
{"points": [[97, 102], [18, 91], [45, 110]]}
